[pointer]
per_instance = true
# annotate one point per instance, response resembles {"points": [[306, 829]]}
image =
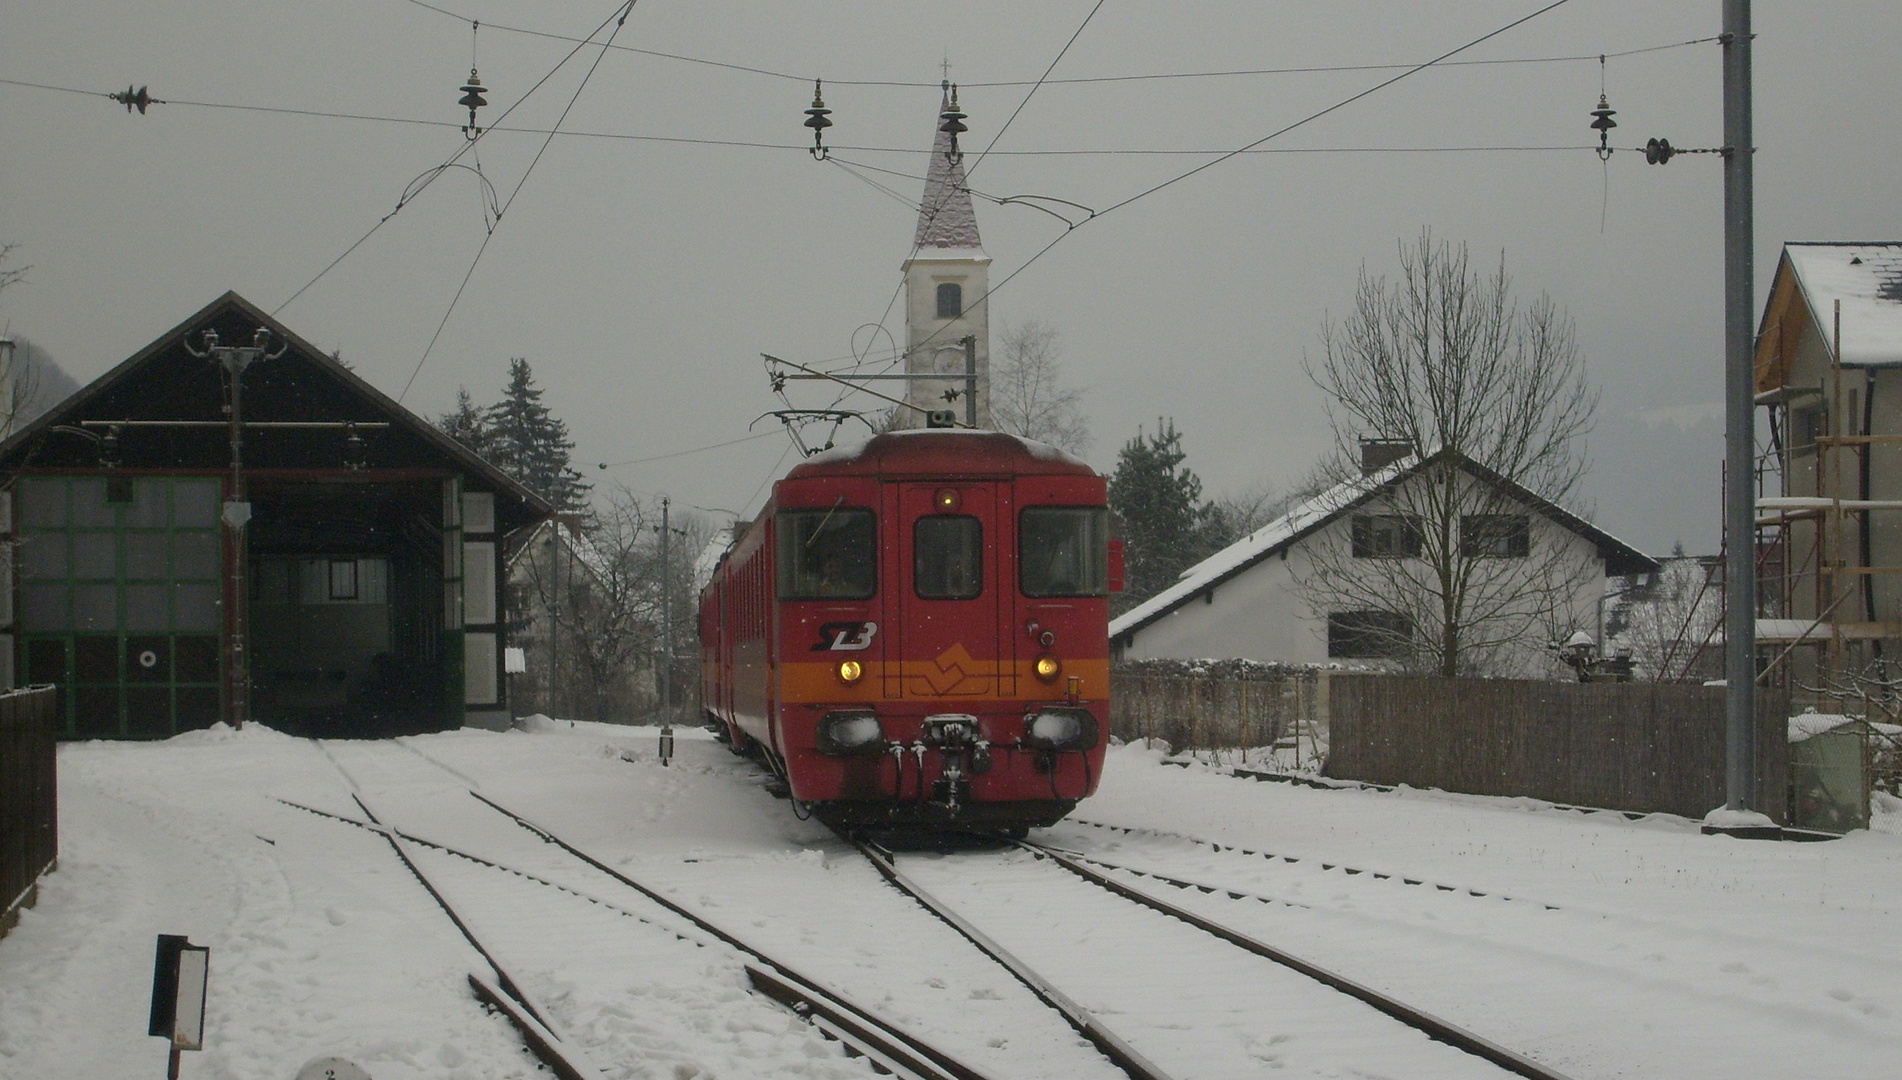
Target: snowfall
{"points": [[1599, 946]]}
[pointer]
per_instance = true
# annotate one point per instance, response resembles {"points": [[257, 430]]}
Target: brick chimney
{"points": [[1377, 454]]}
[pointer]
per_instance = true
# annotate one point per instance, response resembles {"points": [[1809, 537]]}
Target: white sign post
{"points": [[178, 996]]}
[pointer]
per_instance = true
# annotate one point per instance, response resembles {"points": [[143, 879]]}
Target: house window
{"points": [[950, 300], [1386, 536], [1806, 426], [343, 579], [1368, 635], [1495, 536]]}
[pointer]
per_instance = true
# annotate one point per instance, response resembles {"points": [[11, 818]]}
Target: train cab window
{"points": [[948, 557], [827, 554], [1064, 551]]}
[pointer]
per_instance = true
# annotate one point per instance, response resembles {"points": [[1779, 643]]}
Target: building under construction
{"points": [[1829, 518]]}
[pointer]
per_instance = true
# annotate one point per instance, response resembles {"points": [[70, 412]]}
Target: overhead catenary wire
{"points": [[468, 147], [750, 144], [1079, 79], [625, 10], [684, 453], [1277, 133]]}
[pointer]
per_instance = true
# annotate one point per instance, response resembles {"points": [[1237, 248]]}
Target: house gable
{"points": [[1280, 537]]}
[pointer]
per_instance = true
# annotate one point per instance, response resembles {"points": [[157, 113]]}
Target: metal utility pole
{"points": [[666, 622], [970, 380], [1740, 569], [234, 359]]}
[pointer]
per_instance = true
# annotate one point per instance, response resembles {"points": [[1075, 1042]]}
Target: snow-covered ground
{"points": [[1603, 947]]}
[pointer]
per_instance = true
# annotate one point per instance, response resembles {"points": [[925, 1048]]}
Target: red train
{"points": [[915, 631]]}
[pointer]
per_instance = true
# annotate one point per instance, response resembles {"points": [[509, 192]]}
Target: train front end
{"points": [[942, 626]]}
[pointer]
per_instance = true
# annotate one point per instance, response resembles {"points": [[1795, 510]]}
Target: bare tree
{"points": [[593, 592], [1669, 621], [1454, 570], [10, 275], [1027, 395]]}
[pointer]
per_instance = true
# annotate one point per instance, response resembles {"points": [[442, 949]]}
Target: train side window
{"points": [[1063, 551], [827, 554], [947, 557]]}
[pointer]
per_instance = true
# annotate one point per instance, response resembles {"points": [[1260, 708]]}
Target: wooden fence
{"points": [[1212, 712], [29, 825], [1625, 746]]}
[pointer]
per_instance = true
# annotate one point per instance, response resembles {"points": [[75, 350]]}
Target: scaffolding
{"points": [[1817, 570]]}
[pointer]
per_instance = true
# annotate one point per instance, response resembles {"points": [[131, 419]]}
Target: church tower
{"points": [[947, 279]]}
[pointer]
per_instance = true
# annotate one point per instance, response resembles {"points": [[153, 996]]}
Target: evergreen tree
{"points": [[526, 441], [1166, 525], [465, 424]]}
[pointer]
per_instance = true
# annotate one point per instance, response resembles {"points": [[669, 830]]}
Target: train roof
{"points": [[938, 451]]}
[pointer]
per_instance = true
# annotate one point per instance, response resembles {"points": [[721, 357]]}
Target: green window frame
{"points": [[119, 588]]}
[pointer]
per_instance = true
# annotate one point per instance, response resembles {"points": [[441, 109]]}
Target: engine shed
{"points": [[232, 525]]}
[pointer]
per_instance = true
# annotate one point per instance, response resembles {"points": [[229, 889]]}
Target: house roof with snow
{"points": [[946, 218], [1811, 279], [1316, 513]]}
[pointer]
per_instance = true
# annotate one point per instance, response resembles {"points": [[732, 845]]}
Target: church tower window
{"points": [[950, 300]]}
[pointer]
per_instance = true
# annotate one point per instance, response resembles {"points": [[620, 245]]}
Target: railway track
{"points": [[585, 924], [1193, 951]]}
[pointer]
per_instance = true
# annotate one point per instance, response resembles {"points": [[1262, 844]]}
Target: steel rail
{"points": [[1351, 871], [840, 1011], [1434, 1027], [548, 1042], [1113, 1047], [853, 1025]]}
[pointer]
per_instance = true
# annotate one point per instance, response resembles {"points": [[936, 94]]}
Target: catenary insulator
{"points": [[1602, 123], [953, 124], [818, 119], [472, 99]]}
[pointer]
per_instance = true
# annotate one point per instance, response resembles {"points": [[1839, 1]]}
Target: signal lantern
{"points": [[1047, 668], [946, 500]]}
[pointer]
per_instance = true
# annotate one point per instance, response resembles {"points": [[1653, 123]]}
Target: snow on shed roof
{"points": [[1867, 278]]}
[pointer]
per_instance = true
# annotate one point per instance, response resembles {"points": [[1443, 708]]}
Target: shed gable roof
{"points": [[163, 381]]}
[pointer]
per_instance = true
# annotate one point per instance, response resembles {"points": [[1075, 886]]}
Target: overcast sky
{"points": [[643, 278]]}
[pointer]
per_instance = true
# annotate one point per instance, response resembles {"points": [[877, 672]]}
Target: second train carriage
{"points": [[915, 631]]}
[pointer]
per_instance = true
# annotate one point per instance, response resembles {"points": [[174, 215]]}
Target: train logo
{"points": [[845, 636]]}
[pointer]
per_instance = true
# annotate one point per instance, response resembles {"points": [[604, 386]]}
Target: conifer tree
{"points": [[465, 424], [524, 439], [1166, 525]]}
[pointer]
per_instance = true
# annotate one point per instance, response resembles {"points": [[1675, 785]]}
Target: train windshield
{"points": [[827, 554], [948, 557], [1064, 551]]}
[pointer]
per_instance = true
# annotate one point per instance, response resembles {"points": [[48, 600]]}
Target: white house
{"points": [[1248, 600]]}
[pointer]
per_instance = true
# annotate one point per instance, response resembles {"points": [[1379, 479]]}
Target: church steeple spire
{"points": [[946, 218]]}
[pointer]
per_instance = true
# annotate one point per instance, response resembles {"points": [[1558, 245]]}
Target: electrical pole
{"points": [[234, 359], [1740, 569], [666, 622], [970, 380]]}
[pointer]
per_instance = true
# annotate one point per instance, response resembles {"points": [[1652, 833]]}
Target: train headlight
{"points": [[1060, 729], [850, 671], [850, 733], [1048, 668]]}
